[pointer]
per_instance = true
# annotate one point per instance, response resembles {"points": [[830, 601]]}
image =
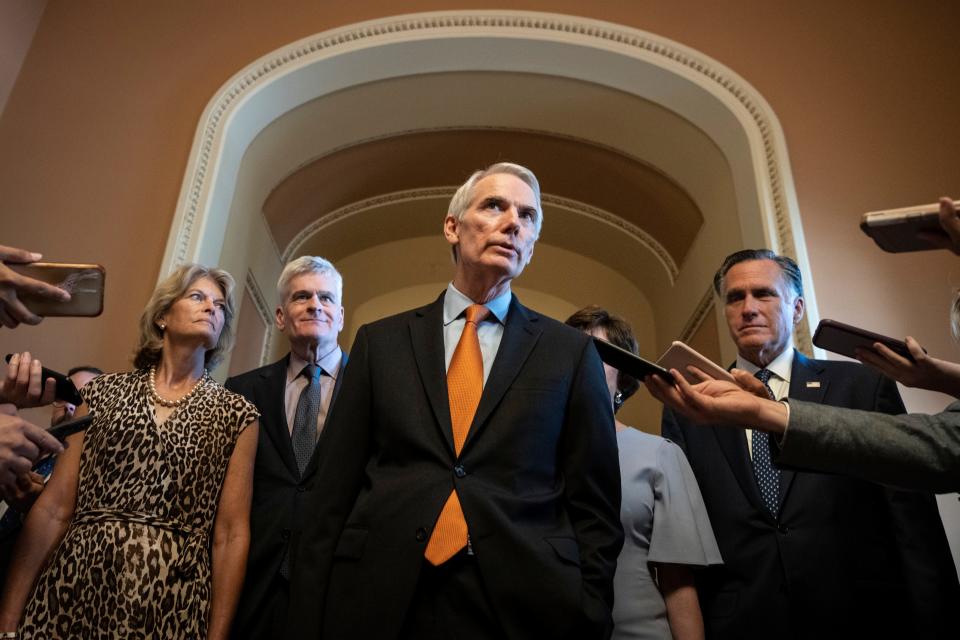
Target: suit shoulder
{"points": [[392, 323], [556, 328], [252, 376], [846, 369]]}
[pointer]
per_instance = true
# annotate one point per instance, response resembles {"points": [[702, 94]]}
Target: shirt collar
{"points": [[330, 364], [455, 303], [781, 366]]}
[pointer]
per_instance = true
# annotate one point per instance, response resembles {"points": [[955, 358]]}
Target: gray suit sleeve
{"points": [[909, 451]]}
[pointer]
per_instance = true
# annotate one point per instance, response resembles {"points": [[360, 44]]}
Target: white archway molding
{"points": [[699, 89], [644, 241]]}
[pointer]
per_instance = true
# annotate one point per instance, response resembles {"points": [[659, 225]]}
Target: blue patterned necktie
{"points": [[767, 476], [304, 436]]}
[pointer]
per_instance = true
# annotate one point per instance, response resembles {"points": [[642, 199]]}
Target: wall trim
{"points": [[243, 103], [635, 233]]}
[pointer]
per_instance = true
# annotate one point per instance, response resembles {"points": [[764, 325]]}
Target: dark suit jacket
{"points": [[538, 480], [846, 558], [278, 496], [914, 451]]}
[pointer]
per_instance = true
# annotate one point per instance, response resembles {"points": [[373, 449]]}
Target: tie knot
{"points": [[311, 371], [764, 375], [477, 313]]}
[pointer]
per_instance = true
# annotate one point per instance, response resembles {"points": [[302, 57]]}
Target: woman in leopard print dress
{"points": [[145, 520]]}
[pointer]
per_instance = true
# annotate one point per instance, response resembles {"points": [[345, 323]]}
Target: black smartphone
{"points": [[845, 339], [628, 362], [70, 427], [65, 389]]}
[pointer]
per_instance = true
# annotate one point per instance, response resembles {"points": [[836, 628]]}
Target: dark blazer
{"points": [[846, 558], [278, 499], [538, 480]]}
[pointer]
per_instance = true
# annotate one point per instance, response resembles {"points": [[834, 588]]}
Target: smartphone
{"points": [[679, 356], [70, 427], [84, 282], [844, 339], [895, 230], [65, 389], [628, 362]]}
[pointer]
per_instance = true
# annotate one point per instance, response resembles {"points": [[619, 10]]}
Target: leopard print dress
{"points": [[136, 559]]}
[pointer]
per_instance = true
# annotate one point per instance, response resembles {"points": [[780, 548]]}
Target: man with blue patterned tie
{"points": [[806, 555], [293, 396]]}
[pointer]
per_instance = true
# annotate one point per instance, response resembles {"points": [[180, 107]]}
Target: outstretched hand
{"points": [[950, 223], [23, 384], [12, 309], [21, 445], [925, 372], [721, 402]]}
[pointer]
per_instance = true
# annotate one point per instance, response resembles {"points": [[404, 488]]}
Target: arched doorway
{"points": [[655, 161]]}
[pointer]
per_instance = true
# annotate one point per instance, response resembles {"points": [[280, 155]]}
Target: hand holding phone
{"points": [[13, 285], [679, 356], [29, 384], [83, 282]]}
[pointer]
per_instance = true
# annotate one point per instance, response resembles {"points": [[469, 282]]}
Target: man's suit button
{"points": [[285, 535], [782, 528], [459, 471], [421, 534], [301, 488]]}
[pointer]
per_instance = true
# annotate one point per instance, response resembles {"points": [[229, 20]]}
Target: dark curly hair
{"points": [[619, 332]]}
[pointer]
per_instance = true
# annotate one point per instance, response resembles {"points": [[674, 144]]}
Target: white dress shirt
{"points": [[779, 382], [296, 383]]}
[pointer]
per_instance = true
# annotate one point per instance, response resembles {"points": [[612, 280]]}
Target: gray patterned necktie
{"points": [[767, 476], [304, 436]]}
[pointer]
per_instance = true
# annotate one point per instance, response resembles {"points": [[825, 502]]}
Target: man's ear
{"points": [[279, 318], [340, 316], [799, 306], [451, 230]]}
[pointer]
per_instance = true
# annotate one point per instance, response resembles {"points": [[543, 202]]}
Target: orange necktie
{"points": [[464, 387]]}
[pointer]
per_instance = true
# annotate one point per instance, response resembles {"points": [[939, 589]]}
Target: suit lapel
{"points": [[519, 336], [733, 444], [426, 336], [806, 383], [271, 399]]}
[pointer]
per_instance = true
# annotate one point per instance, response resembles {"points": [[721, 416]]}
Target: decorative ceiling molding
{"points": [[638, 235], [703, 309], [263, 312], [199, 223]]}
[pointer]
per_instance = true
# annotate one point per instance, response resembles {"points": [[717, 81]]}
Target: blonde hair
{"points": [[150, 343]]}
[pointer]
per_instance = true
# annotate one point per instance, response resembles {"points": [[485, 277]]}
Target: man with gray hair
{"points": [[294, 397], [806, 555], [472, 489]]}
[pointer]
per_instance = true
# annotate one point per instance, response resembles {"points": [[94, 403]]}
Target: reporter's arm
{"points": [[911, 451], [42, 531], [231, 533]]}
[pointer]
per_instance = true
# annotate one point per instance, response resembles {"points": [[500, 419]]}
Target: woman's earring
{"points": [[617, 400], [163, 327]]}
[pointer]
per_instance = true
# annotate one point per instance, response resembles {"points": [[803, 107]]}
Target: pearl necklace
{"points": [[163, 402]]}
